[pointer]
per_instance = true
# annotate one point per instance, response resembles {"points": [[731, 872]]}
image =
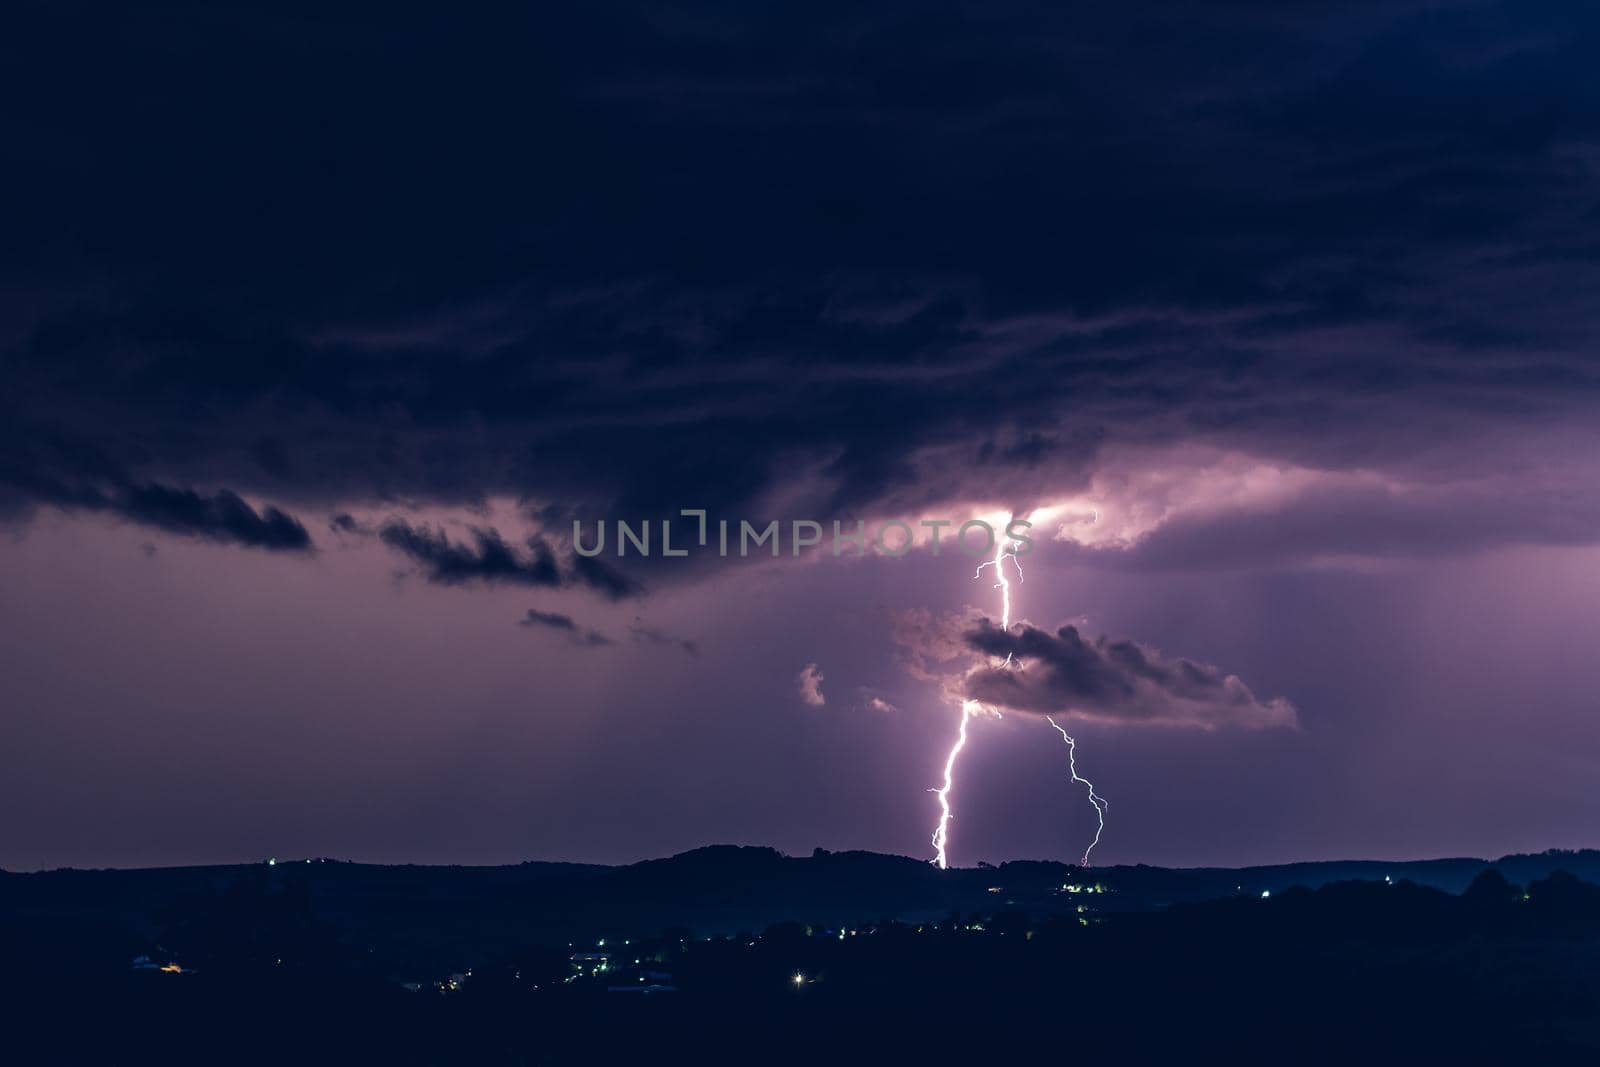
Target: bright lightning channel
{"points": [[1009, 548], [941, 832], [1100, 803]]}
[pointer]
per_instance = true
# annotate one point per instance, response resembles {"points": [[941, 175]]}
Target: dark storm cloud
{"points": [[894, 253], [614, 259], [41, 468], [222, 516], [651, 635], [603, 578], [490, 560], [1120, 681], [487, 559], [552, 620], [1034, 671]]}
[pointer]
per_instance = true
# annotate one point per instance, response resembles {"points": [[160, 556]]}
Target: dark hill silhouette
{"points": [[749, 955], [427, 918], [318, 961]]}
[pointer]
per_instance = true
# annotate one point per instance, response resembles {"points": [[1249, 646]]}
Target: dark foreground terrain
{"points": [[747, 956]]}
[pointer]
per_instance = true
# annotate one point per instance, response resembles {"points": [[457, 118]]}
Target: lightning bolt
{"points": [[1100, 803], [969, 708], [1009, 548], [941, 832]]}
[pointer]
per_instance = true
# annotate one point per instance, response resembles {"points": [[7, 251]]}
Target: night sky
{"points": [[1280, 321]]}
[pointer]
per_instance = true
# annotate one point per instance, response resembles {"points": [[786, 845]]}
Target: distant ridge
{"points": [[1451, 874]]}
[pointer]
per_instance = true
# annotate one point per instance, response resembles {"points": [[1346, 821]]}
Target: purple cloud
{"points": [[1116, 681], [809, 683]]}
